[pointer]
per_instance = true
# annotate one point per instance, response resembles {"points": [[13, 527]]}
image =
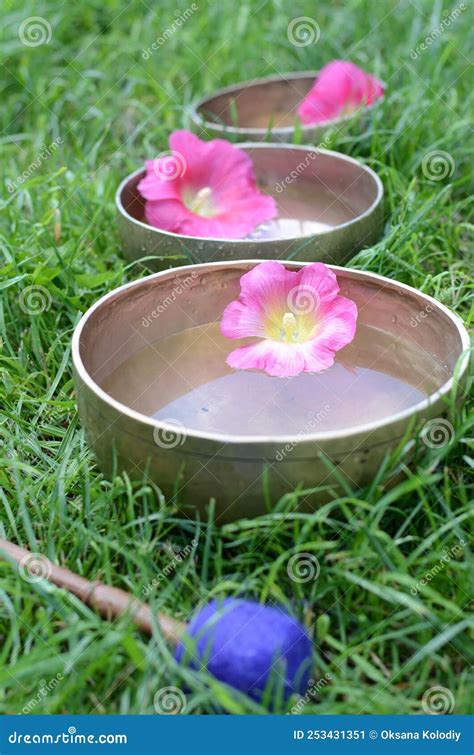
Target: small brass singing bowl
{"points": [[243, 472], [329, 207], [266, 110]]}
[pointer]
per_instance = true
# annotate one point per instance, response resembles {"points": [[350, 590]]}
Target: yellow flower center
{"points": [[201, 202], [290, 328]]}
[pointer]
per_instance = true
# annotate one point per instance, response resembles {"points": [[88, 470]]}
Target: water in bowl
{"points": [[184, 379], [305, 207]]}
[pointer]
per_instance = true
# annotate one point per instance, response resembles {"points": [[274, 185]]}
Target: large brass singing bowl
{"points": [[266, 109], [192, 467], [329, 207]]}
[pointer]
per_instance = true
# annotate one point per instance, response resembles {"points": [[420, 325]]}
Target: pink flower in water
{"points": [[298, 316], [205, 189], [340, 89]]}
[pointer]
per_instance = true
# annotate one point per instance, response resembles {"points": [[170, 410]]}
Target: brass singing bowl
{"points": [[192, 467], [266, 110], [329, 207]]}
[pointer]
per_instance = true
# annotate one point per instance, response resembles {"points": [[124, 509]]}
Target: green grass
{"points": [[382, 645]]}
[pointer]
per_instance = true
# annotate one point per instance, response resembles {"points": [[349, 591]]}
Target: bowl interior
{"points": [[258, 105], [139, 346], [315, 191]]}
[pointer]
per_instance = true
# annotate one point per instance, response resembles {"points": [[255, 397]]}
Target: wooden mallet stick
{"points": [[110, 602], [238, 641]]}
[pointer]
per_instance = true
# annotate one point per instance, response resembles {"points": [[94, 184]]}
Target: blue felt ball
{"points": [[243, 643]]}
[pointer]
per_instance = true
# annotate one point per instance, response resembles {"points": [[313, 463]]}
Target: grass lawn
{"points": [[381, 641]]}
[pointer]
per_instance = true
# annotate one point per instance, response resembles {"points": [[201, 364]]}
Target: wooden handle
{"points": [[110, 602]]}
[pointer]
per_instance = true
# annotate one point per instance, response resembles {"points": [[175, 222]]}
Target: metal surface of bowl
{"points": [[266, 110], [330, 207], [193, 467]]}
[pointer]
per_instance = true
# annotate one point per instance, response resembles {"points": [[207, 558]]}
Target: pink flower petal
{"points": [[267, 282], [314, 286], [264, 291], [195, 152], [241, 321], [225, 160], [338, 325], [340, 87], [277, 359], [235, 222], [225, 173], [316, 357], [167, 214], [281, 359], [152, 188]]}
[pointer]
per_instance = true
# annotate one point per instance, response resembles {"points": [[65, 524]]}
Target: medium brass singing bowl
{"points": [[266, 110], [192, 467], [329, 207]]}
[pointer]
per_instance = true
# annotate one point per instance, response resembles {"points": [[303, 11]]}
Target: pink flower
{"points": [[204, 189], [298, 316], [341, 88]]}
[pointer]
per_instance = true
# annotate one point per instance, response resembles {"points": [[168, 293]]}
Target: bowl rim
{"points": [[280, 131], [250, 146], [261, 440]]}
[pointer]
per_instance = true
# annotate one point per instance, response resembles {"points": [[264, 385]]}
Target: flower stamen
{"points": [[289, 328], [201, 203]]}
